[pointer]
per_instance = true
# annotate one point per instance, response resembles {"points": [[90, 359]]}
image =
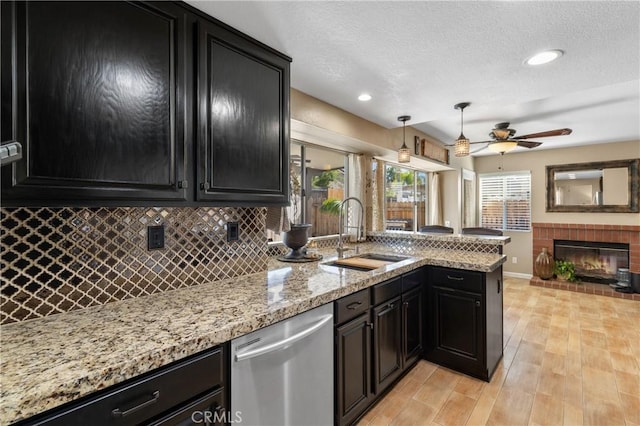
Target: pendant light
{"points": [[461, 146], [404, 153]]}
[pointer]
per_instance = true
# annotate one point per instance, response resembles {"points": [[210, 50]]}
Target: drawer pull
{"points": [[119, 413], [354, 305], [478, 303], [455, 278]]}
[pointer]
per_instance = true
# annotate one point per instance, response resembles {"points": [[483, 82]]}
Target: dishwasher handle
{"points": [[282, 344]]}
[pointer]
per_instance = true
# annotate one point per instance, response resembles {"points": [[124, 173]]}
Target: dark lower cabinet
{"points": [[378, 338], [387, 343], [353, 369], [465, 320], [412, 320], [191, 391]]}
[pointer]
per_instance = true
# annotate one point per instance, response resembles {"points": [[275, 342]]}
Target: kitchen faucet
{"points": [[341, 248]]}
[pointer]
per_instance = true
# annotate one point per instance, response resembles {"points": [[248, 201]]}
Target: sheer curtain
{"points": [[435, 206], [359, 187]]}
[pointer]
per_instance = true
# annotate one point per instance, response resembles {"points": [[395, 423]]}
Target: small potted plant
{"points": [[565, 270]]}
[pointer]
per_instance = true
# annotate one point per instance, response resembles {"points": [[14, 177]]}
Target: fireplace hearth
{"points": [[595, 261]]}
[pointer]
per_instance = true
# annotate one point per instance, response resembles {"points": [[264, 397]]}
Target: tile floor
{"points": [[569, 359]]}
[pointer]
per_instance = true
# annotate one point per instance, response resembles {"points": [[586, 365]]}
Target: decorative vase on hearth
{"points": [[544, 265]]}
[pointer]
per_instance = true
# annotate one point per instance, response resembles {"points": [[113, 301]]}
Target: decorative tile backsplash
{"points": [[61, 259], [407, 243]]}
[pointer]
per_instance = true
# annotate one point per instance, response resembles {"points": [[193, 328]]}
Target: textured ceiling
{"points": [[422, 57]]}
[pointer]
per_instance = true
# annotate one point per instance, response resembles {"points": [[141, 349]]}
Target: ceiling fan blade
{"points": [[557, 132], [529, 144]]}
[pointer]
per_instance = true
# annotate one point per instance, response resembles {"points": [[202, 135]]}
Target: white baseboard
{"points": [[517, 275]]}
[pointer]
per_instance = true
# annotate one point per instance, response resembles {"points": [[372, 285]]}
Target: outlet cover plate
{"points": [[233, 231], [155, 237]]}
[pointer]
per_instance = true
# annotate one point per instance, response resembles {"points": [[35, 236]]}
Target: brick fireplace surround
{"points": [[545, 233]]}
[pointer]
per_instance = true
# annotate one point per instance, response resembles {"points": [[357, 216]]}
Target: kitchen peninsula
{"points": [[51, 361]]}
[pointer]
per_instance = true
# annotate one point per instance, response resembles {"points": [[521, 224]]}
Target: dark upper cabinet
{"points": [[140, 103], [464, 320], [243, 118], [95, 93]]}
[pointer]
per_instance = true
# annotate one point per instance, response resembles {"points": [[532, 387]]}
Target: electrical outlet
{"points": [[155, 237], [233, 231], [514, 259], [447, 223]]}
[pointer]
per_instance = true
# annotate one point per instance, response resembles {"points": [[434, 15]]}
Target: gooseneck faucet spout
{"points": [[359, 231]]}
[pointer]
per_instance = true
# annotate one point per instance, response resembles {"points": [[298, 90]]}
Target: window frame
{"points": [[415, 191], [503, 176]]}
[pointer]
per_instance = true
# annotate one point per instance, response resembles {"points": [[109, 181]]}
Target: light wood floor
{"points": [[569, 359]]}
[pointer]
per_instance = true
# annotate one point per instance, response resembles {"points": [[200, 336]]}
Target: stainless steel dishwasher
{"points": [[283, 374]]}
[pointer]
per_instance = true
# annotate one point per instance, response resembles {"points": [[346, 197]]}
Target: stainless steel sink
{"points": [[384, 257], [368, 256]]}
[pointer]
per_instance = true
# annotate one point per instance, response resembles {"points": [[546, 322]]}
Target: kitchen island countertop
{"points": [[49, 361]]}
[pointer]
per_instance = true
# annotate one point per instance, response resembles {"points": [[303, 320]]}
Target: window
{"points": [[405, 198], [505, 201], [317, 177]]}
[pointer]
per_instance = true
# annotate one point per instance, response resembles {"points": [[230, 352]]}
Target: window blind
{"points": [[505, 201]]}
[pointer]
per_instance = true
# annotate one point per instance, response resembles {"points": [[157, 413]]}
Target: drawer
{"points": [[457, 278], [351, 306], [412, 280], [386, 290], [142, 399]]}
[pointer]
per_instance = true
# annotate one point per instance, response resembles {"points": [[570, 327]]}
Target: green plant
{"points": [[331, 205], [325, 179], [565, 269]]}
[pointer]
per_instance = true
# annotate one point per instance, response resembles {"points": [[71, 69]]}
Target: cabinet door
{"points": [[95, 92], [387, 344], [243, 119], [457, 328], [412, 320], [353, 369]]}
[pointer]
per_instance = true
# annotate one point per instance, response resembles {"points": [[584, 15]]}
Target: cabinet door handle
{"points": [[478, 303], [354, 305], [369, 324], [455, 278], [119, 413], [183, 184], [498, 286]]}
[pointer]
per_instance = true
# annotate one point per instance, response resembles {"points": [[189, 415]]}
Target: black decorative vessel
{"points": [[296, 239]]}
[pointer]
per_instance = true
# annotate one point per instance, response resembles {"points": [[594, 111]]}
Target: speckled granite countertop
{"points": [[49, 361]]}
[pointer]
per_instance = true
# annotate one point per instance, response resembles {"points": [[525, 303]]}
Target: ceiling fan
{"points": [[502, 139]]}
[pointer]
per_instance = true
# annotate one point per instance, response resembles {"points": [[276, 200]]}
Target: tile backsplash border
{"points": [[61, 259]]}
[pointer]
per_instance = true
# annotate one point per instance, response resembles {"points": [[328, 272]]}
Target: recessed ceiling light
{"points": [[544, 57], [364, 97]]}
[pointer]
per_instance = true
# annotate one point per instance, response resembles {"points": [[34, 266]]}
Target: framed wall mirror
{"points": [[604, 186]]}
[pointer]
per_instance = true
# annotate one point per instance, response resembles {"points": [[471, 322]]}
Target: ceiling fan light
{"points": [[461, 147], [502, 146]]}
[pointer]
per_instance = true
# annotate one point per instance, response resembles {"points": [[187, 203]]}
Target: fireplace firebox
{"points": [[595, 261]]}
